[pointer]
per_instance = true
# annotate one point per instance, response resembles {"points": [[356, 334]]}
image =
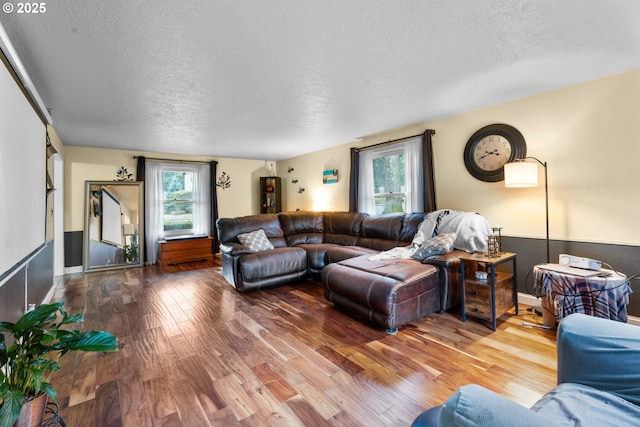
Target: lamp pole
{"points": [[546, 200]]}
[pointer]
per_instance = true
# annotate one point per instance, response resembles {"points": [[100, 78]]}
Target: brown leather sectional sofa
{"points": [[337, 246]]}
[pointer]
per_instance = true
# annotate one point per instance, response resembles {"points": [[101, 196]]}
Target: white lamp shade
{"points": [[521, 174], [128, 229]]}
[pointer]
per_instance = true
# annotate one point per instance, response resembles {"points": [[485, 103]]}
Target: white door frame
{"points": [[58, 215]]}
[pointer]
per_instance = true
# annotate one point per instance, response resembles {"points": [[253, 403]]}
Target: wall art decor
{"points": [[123, 175], [330, 176], [224, 181]]}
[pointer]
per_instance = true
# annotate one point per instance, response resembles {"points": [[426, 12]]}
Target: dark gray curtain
{"points": [[214, 206], [353, 180], [140, 172], [429, 187]]}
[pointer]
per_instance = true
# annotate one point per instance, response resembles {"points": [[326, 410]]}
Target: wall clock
{"points": [[490, 148]]}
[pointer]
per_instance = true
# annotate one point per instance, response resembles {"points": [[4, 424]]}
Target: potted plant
{"points": [[29, 359], [131, 252]]}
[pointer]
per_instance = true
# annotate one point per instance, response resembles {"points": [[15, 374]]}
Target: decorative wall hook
{"points": [[300, 190], [294, 180], [290, 169], [224, 181]]}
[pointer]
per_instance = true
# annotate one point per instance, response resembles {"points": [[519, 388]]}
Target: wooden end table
{"points": [[491, 297]]}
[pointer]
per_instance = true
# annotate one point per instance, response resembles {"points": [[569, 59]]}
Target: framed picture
{"points": [[330, 176]]}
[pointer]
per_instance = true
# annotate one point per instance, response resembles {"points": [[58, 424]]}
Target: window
{"points": [[389, 189], [391, 179], [177, 190], [177, 202]]}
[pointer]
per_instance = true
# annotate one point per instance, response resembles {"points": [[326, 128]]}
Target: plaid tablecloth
{"points": [[596, 296]]}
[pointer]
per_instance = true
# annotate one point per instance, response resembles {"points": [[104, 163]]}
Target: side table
{"points": [[603, 293], [489, 298]]}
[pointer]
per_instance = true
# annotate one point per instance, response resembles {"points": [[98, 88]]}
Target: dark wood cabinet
{"points": [[270, 194]]}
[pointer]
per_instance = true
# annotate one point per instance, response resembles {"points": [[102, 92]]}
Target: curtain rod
{"points": [[433, 132], [203, 162]]}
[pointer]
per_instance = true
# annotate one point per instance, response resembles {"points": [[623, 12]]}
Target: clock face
{"points": [[490, 148], [492, 152]]}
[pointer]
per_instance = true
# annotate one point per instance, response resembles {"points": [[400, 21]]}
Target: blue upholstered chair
{"points": [[598, 384]]}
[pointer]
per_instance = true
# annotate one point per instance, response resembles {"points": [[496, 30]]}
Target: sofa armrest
{"points": [[450, 259], [475, 406], [600, 353], [233, 249]]}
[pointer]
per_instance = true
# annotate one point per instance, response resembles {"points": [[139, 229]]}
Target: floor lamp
{"points": [[520, 174]]}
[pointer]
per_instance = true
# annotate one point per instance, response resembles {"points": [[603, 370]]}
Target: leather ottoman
{"points": [[388, 293]]}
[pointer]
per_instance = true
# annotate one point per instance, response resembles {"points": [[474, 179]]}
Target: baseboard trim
{"points": [[532, 301], [73, 270]]}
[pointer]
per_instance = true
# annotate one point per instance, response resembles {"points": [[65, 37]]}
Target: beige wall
{"points": [[308, 171], [588, 134], [96, 164]]}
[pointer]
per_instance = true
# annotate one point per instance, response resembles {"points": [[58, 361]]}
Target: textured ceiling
{"points": [[279, 78]]}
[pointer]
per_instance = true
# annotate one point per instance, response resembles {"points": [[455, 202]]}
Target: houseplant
{"points": [[131, 252], [30, 353]]}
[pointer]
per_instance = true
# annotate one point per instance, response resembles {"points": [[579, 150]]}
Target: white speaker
{"points": [[579, 262]]}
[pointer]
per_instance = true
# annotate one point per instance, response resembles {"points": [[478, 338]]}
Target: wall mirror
{"points": [[114, 225]]}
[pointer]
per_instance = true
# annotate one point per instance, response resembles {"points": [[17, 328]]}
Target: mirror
{"points": [[114, 225]]}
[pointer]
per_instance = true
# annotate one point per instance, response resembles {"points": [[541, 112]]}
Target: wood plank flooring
{"points": [[194, 352]]}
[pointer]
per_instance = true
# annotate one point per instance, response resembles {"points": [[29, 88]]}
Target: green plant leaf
{"points": [[41, 316], [48, 388], [90, 341], [11, 407], [6, 327], [74, 318]]}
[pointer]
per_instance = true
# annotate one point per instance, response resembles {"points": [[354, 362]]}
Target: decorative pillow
{"points": [[438, 245], [256, 241]]}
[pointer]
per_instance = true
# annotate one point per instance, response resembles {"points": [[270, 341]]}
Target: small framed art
{"points": [[330, 176]]}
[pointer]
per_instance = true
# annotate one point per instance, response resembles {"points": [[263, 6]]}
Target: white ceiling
{"points": [[273, 79]]}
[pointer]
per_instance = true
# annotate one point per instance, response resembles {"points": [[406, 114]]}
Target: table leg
{"points": [[515, 285], [493, 297], [464, 314]]}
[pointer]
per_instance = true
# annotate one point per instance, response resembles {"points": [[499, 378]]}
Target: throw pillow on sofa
{"points": [[256, 241], [438, 245]]}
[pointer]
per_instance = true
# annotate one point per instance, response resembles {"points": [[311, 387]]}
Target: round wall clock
{"points": [[490, 148]]}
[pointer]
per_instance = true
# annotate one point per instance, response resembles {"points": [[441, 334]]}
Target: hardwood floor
{"points": [[194, 352]]}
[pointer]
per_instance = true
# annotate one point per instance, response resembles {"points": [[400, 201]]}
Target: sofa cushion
{"points": [[302, 227], [382, 232], [337, 253], [438, 245], [256, 241], [581, 405], [278, 262], [410, 225], [229, 228], [342, 228], [475, 406]]}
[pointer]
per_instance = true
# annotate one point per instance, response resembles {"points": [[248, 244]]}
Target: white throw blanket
{"points": [[471, 230]]}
